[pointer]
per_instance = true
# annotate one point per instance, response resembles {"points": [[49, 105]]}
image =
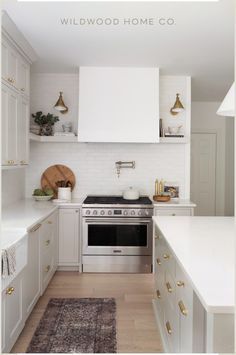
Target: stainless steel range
{"points": [[117, 234]]}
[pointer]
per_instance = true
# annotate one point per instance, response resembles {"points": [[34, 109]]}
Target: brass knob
{"points": [[23, 162], [158, 261], [49, 222], [10, 80], [47, 268], [169, 288], [47, 242], [22, 89], [158, 294], [168, 328], [180, 283], [166, 256], [182, 308], [173, 214], [157, 237], [10, 290]]}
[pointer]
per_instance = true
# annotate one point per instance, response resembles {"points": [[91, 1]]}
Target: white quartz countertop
{"points": [[27, 212], [204, 248], [175, 203]]}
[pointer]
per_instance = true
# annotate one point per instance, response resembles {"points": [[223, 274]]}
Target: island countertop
{"points": [[204, 248]]}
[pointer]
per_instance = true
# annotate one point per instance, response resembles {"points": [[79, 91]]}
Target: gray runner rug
{"points": [[76, 325]]}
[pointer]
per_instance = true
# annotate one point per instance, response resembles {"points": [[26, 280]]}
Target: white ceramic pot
{"points": [[131, 194], [64, 193]]}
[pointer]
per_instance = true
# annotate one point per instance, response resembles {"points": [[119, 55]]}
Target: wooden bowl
{"points": [[161, 198]]}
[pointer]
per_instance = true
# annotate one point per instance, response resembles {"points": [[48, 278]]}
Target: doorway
{"points": [[203, 173]]}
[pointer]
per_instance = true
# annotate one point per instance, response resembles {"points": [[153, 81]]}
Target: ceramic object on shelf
{"points": [[131, 194], [42, 198], [64, 193]]}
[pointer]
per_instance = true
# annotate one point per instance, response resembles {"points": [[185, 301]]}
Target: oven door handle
{"points": [[118, 221]]}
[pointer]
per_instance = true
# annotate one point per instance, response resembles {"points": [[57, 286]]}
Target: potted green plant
{"points": [[46, 122]]}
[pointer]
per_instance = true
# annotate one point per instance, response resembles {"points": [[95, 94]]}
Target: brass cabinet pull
{"points": [[168, 328], [47, 242], [22, 89], [180, 283], [11, 162], [11, 80], [49, 222], [173, 214], [158, 294], [23, 162], [35, 227], [158, 261], [166, 256], [47, 268], [169, 288], [9, 290], [157, 237], [182, 308]]}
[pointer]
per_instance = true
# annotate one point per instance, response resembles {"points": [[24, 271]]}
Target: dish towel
{"points": [[8, 257]]}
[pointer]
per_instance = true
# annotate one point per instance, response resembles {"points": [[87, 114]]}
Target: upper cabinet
{"points": [[118, 104], [16, 55]]}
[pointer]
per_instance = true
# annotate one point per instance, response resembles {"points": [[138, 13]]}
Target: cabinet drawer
{"points": [[173, 211], [167, 259], [184, 290]]}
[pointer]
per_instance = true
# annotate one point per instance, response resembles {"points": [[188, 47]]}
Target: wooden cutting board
{"points": [[57, 173]]}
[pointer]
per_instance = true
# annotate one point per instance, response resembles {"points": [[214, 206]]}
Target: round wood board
{"points": [[57, 173]]}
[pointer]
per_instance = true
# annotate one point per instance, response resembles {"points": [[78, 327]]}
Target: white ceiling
{"points": [[200, 43]]}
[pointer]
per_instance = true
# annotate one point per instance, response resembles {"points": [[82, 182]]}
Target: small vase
{"points": [[46, 130]]}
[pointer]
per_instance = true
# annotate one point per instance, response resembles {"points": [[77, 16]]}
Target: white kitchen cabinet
{"points": [[48, 249], [23, 132], [24, 76], [15, 128], [12, 312], [125, 104], [10, 114], [69, 234], [32, 271], [173, 211], [9, 63]]}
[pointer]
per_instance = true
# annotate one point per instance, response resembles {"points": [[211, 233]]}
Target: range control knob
{"points": [[102, 212], [132, 213], [95, 212], [146, 212], [140, 213], [87, 212], [109, 212], [125, 212]]}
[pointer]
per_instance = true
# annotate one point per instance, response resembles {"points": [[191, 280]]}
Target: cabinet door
{"points": [[32, 272], [24, 76], [12, 66], [69, 237], [23, 133], [14, 313], [4, 112], [4, 56], [13, 113]]}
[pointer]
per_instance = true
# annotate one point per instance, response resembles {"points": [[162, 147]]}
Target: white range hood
{"points": [[118, 104], [227, 107]]}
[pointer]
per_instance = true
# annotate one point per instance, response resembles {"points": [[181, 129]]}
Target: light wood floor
{"points": [[136, 327]]}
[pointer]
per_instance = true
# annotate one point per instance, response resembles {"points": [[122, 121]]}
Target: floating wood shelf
{"points": [[53, 139]]}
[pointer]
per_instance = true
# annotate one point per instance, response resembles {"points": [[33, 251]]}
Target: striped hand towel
{"points": [[8, 261]]}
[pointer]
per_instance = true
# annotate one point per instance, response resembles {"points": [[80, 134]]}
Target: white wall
{"points": [[229, 167], [94, 164], [45, 90], [204, 119], [13, 186]]}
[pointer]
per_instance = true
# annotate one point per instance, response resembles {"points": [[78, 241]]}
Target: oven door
{"points": [[117, 236]]}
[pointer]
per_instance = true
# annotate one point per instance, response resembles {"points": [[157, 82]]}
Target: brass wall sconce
{"points": [[60, 105], [178, 107]]}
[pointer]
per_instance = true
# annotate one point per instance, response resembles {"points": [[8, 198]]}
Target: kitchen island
{"points": [[194, 275]]}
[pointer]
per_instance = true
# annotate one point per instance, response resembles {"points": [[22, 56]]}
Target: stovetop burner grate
{"points": [[116, 200]]}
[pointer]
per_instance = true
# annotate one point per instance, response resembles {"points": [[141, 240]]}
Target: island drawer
{"points": [[184, 289]]}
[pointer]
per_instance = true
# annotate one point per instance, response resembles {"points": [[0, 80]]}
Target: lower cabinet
{"points": [[12, 313], [178, 312], [173, 211], [69, 234], [42, 260]]}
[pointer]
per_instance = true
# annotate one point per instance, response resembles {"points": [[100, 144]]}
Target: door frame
{"points": [[219, 169]]}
